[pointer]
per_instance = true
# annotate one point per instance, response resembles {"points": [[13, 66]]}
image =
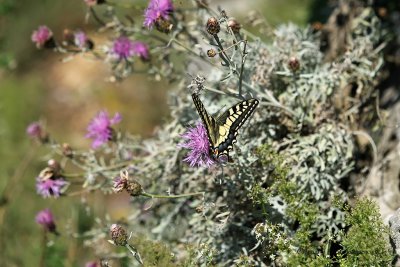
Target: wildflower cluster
{"points": [[278, 202]]}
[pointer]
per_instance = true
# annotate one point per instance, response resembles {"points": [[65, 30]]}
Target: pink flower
{"points": [[50, 187], [155, 10], [46, 219], [99, 129], [42, 36], [123, 48], [91, 264], [198, 145], [80, 39], [34, 130], [141, 49]]}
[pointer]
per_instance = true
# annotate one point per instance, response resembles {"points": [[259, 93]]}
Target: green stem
{"points": [[171, 196], [242, 67], [191, 51], [222, 53], [134, 253]]}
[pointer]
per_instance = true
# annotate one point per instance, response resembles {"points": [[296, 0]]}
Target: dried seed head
{"points": [[55, 165], [382, 12], [67, 150], [68, 36], [213, 26], [199, 209], [234, 25], [134, 188], [294, 64], [118, 235], [317, 26], [211, 53]]}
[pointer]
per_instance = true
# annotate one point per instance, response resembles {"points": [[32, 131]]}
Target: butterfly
{"points": [[223, 129]]}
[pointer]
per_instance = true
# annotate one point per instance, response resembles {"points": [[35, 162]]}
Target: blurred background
{"points": [[37, 85]]}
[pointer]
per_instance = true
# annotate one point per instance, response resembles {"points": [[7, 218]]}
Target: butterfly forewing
{"points": [[209, 122]]}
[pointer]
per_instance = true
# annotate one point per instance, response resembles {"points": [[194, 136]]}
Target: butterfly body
{"points": [[223, 129]]}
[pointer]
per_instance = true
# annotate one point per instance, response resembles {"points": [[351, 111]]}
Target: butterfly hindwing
{"points": [[223, 130]]}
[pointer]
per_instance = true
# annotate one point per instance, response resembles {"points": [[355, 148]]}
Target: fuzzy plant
{"points": [[283, 198]]}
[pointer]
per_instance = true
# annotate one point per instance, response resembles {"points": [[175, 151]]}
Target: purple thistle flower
{"points": [[41, 36], [99, 129], [80, 39], [123, 48], [50, 187], [198, 144], [120, 183], [141, 49], [34, 130], [45, 218], [155, 10]]}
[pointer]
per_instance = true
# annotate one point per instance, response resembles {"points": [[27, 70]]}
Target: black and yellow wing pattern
{"points": [[222, 131]]}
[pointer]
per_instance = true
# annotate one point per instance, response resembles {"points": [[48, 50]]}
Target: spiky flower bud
{"points": [[213, 26], [118, 235], [68, 36], [55, 165], [211, 53], [46, 219], [134, 188], [294, 64], [199, 209], [67, 150], [234, 25]]}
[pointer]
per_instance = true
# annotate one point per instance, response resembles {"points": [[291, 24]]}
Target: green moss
{"points": [[154, 253], [366, 243]]}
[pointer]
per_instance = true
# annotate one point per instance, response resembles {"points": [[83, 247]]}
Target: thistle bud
{"points": [[213, 26], [317, 26], [68, 36], [46, 219], [36, 131], [199, 209], [67, 150], [134, 188], [43, 38], [211, 53], [294, 64], [55, 165], [118, 235], [234, 25]]}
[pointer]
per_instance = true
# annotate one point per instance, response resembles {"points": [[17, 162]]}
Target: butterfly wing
{"points": [[222, 131], [208, 121], [228, 124]]}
